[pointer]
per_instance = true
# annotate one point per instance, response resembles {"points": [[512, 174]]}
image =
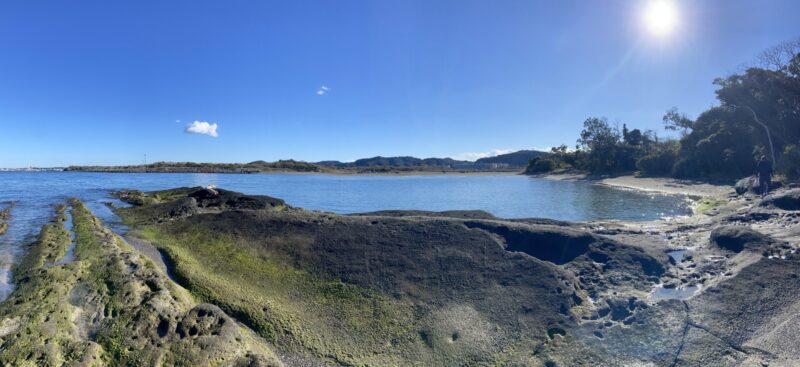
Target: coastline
{"points": [[670, 186], [337, 173]]}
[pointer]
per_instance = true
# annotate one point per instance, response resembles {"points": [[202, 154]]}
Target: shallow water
{"points": [[37, 194], [677, 255], [69, 256], [679, 293]]}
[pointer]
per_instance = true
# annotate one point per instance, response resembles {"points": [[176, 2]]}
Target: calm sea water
{"points": [[36, 193]]}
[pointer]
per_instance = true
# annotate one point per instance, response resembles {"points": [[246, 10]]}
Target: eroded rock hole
{"points": [[559, 247], [163, 328], [553, 331]]}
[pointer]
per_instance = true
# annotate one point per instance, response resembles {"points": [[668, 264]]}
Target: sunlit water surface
{"points": [[37, 193]]}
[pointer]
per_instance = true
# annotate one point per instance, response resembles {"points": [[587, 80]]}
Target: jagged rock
{"points": [[738, 238], [787, 200]]}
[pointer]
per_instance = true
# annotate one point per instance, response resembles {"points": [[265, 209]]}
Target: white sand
{"points": [[661, 185]]}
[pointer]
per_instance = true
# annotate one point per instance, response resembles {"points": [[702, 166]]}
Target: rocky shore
{"points": [[220, 278]]}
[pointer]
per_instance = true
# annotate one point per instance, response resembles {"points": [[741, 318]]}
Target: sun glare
{"points": [[660, 17]]}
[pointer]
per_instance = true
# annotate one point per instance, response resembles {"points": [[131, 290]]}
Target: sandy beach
{"points": [[693, 189]]}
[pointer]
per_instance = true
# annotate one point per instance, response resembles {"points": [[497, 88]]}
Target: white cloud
{"points": [[322, 90], [473, 156], [203, 128]]}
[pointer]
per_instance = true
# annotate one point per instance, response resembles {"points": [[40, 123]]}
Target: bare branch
{"points": [[777, 57]]}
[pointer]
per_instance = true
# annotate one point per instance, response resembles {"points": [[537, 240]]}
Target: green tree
{"points": [[674, 120]]}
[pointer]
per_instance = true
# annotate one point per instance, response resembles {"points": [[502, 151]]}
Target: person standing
{"points": [[764, 171]]}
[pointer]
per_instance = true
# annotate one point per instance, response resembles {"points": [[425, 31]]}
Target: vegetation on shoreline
{"points": [[759, 114]]}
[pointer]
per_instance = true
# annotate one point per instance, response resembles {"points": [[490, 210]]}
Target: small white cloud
{"points": [[473, 156], [203, 128], [322, 90], [177, 120]]}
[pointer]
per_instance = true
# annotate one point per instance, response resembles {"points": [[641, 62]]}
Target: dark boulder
{"points": [[224, 199], [787, 200], [738, 238]]}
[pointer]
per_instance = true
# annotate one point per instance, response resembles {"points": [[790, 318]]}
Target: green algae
{"points": [[110, 306], [708, 203], [286, 305], [223, 256], [44, 331]]}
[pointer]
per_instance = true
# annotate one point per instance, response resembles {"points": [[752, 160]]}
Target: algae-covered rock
{"points": [[5, 216], [392, 287], [111, 306]]}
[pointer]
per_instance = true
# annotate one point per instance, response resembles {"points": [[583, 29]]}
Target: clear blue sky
{"points": [[104, 82]]}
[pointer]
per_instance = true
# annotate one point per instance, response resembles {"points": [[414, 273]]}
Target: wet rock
{"points": [[738, 238]]}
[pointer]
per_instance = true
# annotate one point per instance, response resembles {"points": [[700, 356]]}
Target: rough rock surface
{"points": [[456, 288], [488, 291], [111, 306], [787, 200], [739, 238]]}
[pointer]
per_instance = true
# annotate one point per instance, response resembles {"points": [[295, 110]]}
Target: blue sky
{"points": [[104, 82]]}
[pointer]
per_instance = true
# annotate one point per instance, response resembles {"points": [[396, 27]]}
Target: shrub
{"points": [[789, 164], [658, 163], [541, 165]]}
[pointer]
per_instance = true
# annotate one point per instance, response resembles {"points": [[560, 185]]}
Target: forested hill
{"points": [[515, 159], [506, 162], [518, 159]]}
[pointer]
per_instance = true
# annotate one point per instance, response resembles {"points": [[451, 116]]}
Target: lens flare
{"points": [[660, 17]]}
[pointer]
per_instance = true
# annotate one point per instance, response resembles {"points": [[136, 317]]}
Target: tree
{"points": [[674, 120], [633, 137], [597, 133], [604, 154], [781, 55]]}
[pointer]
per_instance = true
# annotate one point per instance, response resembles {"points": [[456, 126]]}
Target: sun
{"points": [[660, 17]]}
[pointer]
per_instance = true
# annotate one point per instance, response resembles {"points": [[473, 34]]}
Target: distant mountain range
{"points": [[518, 159], [505, 162]]}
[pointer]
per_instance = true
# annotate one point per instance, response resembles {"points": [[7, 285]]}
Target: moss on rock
{"points": [[111, 306]]}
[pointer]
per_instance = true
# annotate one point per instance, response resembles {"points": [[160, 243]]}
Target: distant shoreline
{"points": [[322, 173], [662, 185]]}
